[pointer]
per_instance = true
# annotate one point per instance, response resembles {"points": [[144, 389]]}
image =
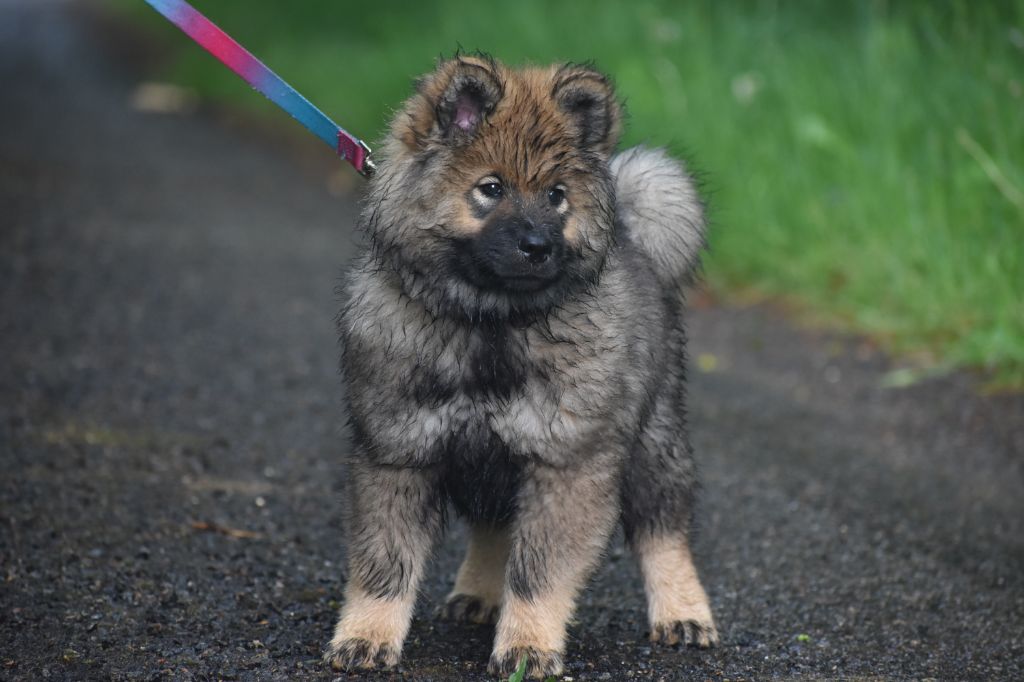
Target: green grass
{"points": [[520, 672], [864, 159]]}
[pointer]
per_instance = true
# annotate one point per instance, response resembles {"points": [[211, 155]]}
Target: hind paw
{"points": [[467, 608], [686, 633]]}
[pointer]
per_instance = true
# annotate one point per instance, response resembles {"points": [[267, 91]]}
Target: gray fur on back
{"points": [[660, 208]]}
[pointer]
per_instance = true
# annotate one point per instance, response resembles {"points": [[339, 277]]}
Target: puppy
{"points": [[514, 349]]}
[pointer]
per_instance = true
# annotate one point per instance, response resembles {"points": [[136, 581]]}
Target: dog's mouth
{"points": [[528, 282], [486, 277], [496, 269]]}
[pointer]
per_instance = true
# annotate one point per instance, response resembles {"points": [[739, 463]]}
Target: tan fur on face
{"points": [[532, 135], [482, 573], [376, 620], [464, 222], [674, 592], [571, 232], [528, 140]]}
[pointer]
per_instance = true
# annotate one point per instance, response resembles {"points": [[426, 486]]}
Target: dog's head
{"points": [[494, 195]]}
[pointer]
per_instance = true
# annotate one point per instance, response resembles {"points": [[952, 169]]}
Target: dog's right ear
{"points": [[452, 103]]}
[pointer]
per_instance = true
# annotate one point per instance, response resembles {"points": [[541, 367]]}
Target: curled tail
{"points": [[659, 205]]}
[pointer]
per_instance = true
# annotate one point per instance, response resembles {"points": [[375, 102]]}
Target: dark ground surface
{"points": [[169, 361]]}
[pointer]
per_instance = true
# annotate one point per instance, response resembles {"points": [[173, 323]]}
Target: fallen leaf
{"points": [[209, 527]]}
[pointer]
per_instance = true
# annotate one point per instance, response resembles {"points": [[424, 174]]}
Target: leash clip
{"points": [[369, 167], [357, 153]]}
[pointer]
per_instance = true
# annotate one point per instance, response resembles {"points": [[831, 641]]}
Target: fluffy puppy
{"points": [[514, 349]]}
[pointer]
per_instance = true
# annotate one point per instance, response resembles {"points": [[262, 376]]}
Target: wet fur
{"points": [[543, 416]]}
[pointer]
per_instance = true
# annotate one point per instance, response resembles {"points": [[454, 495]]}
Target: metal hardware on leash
{"points": [[266, 82]]}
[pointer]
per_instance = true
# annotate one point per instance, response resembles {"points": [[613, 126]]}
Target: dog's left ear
{"points": [[453, 102], [588, 98]]}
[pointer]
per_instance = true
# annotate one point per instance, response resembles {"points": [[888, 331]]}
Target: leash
{"points": [[266, 82]]}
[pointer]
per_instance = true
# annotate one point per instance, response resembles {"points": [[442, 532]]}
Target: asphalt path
{"points": [[171, 427]]}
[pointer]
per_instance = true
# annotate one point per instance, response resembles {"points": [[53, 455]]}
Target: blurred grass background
{"points": [[864, 160]]}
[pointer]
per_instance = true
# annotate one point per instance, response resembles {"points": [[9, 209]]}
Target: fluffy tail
{"points": [[659, 205]]}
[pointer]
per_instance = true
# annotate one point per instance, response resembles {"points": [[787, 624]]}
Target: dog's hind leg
{"points": [[677, 607], [476, 596], [657, 501], [395, 516]]}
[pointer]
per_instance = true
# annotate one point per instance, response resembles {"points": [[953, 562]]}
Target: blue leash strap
{"points": [[263, 80]]}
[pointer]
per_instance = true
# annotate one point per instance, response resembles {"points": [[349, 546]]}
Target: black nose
{"points": [[536, 246]]}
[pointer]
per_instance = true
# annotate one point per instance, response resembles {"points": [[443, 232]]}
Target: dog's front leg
{"points": [[395, 516], [564, 519]]}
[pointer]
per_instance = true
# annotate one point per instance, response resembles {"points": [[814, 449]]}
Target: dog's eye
{"points": [[491, 190], [556, 195]]}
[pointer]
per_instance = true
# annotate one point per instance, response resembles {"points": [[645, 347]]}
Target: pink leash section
{"points": [[263, 80]]}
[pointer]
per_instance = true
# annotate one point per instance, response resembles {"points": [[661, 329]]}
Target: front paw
{"points": [[539, 664], [353, 653], [701, 635], [467, 608]]}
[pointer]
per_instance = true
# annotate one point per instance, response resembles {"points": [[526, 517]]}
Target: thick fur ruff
{"points": [[514, 349]]}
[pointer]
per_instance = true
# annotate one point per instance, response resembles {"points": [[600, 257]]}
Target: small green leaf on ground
{"points": [[706, 362], [520, 672], [803, 638]]}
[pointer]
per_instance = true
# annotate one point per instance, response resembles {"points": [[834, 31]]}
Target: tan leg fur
{"points": [[555, 546], [677, 606], [480, 581], [537, 623], [371, 629]]}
